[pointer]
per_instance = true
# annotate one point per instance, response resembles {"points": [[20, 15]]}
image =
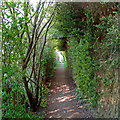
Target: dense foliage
{"points": [[27, 57], [78, 54], [92, 47], [88, 39]]}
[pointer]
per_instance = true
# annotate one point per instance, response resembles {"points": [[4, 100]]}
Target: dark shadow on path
{"points": [[62, 102]]}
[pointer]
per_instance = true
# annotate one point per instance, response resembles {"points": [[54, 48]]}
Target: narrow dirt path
{"points": [[62, 102]]}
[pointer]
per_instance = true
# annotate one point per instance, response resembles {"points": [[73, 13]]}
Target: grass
{"points": [[58, 63], [65, 65]]}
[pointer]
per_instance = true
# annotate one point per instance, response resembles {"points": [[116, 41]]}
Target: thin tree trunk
{"points": [[29, 94]]}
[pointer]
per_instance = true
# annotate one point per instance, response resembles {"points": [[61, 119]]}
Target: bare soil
{"points": [[61, 101]]}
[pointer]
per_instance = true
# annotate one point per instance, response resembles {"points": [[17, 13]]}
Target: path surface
{"points": [[62, 102]]}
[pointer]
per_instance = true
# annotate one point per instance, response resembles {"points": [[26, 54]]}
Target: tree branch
{"points": [[30, 50], [37, 89]]}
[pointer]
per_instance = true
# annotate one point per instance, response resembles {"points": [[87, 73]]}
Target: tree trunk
{"points": [[29, 94]]}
